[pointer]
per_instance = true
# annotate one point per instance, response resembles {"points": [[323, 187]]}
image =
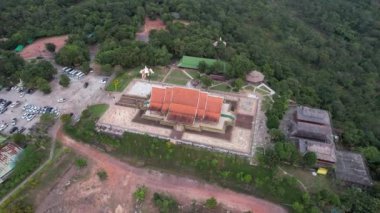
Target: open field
{"points": [[115, 194], [38, 49]]}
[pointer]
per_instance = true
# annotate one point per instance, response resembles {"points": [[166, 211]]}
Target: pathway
{"points": [[286, 173]]}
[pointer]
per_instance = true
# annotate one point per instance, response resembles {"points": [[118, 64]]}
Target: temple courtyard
{"points": [[242, 137]]}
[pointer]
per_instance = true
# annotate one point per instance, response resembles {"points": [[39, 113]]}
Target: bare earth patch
{"points": [[115, 193], [38, 49]]}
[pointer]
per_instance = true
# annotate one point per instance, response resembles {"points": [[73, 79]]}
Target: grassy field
{"points": [[159, 73], [313, 184], [122, 79], [177, 77], [222, 87], [192, 62], [98, 109], [2, 139], [193, 73]]}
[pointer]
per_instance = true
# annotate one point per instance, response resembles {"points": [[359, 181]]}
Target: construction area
{"points": [[231, 128], [149, 25], [38, 48]]}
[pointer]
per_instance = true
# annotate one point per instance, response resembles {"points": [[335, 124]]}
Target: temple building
{"points": [[189, 108]]}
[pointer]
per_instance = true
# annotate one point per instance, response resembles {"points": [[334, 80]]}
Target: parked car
{"points": [[14, 121], [21, 130], [13, 129]]}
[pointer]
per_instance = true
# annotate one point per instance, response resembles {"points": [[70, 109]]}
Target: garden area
{"points": [[123, 78], [177, 77]]}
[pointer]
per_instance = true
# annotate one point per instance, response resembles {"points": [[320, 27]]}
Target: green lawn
{"points": [[193, 73], [177, 77], [122, 79], [192, 62], [222, 87], [98, 109], [313, 184], [159, 73]]}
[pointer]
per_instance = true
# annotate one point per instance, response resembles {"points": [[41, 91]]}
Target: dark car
{"points": [[30, 91], [14, 129], [22, 129], [7, 103], [8, 88], [85, 85]]}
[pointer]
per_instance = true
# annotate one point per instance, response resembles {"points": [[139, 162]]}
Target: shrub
{"points": [[81, 163], [309, 159], [211, 203], [140, 194], [102, 175], [50, 47], [165, 203]]}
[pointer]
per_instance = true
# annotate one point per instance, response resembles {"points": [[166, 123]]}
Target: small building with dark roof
{"points": [[312, 115], [255, 77], [325, 152]]}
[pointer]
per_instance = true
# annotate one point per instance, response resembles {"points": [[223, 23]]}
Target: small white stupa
{"points": [[146, 72]]}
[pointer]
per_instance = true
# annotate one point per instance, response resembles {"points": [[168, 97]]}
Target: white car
{"points": [[104, 80], [61, 100], [3, 126]]}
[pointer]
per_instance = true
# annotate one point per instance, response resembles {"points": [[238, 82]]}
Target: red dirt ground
{"points": [[150, 25], [123, 179], [37, 48]]}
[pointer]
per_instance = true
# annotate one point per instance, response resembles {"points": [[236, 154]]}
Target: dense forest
{"points": [[320, 53]]}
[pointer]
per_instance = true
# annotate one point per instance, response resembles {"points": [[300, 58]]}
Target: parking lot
{"points": [[61, 100]]}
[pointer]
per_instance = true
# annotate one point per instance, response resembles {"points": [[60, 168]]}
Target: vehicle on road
{"points": [[85, 85], [14, 121]]}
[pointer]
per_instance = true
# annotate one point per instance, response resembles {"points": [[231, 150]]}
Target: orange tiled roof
{"points": [[185, 104]]}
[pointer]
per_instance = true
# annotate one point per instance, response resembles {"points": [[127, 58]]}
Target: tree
{"points": [[206, 81], [286, 151], [238, 84], [64, 80], [309, 159], [50, 47], [107, 69], [211, 203], [202, 66], [43, 85], [81, 162], [72, 54], [240, 66], [297, 207]]}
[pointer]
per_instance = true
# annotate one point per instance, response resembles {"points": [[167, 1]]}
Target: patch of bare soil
{"points": [[115, 193]]}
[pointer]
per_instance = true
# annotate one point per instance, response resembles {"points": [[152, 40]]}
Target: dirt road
{"points": [[123, 179]]}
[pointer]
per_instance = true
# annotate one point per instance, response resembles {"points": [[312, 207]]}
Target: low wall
{"points": [[116, 130]]}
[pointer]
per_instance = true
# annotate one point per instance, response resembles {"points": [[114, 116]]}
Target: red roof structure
{"points": [[185, 105]]}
